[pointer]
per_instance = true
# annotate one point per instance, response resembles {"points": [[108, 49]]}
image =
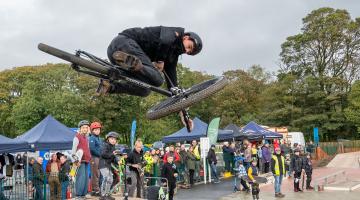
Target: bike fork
{"points": [[186, 119], [183, 111]]}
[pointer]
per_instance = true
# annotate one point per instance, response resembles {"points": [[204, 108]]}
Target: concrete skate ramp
{"points": [[346, 160]]}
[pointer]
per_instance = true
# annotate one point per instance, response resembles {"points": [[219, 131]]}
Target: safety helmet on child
{"points": [[197, 42], [112, 134], [83, 122], [95, 125]]}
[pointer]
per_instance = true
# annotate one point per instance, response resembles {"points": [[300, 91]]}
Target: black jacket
{"points": [[135, 158], [160, 43], [38, 172], [211, 157], [183, 156], [64, 171], [107, 156], [297, 163], [307, 165], [168, 171]]}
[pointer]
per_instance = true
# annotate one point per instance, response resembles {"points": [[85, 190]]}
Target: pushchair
{"points": [[158, 191]]}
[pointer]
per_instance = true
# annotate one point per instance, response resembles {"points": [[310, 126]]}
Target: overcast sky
{"points": [[236, 33]]}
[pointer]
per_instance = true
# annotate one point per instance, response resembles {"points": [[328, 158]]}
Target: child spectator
{"points": [[170, 173], [287, 165], [297, 167], [107, 157], [308, 170], [243, 176]]}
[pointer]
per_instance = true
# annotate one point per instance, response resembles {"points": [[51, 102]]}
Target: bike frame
{"points": [[114, 73]]}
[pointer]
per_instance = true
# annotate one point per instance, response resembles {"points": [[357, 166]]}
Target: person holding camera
{"points": [[136, 162], [107, 157]]}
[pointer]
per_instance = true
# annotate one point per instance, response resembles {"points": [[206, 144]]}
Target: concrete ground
{"points": [[327, 195], [223, 190]]}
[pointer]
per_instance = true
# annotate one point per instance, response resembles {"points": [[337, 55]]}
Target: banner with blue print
{"points": [[133, 133]]}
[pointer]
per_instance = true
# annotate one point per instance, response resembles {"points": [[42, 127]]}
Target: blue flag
{"points": [[132, 135], [316, 136]]}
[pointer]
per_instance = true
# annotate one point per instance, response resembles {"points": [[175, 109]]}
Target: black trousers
{"points": [[149, 74], [308, 179], [191, 174], [243, 183], [172, 187], [297, 176], [139, 185], [266, 167]]}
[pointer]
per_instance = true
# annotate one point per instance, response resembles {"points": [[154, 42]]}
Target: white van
{"points": [[296, 137]]}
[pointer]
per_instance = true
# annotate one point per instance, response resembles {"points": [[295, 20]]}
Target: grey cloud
{"points": [[236, 34]]}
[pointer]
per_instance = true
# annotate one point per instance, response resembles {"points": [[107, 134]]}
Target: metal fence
{"points": [[39, 187], [333, 148]]}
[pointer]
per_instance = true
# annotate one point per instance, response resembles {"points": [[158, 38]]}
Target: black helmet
{"points": [[83, 122], [197, 42], [112, 134]]}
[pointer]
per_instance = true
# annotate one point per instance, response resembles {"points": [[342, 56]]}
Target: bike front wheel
{"points": [[193, 95]]}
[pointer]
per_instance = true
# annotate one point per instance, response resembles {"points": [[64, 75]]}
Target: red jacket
{"points": [[48, 166], [176, 157], [276, 144], [84, 145]]}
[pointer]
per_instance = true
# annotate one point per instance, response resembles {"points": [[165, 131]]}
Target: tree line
{"points": [[317, 85]]}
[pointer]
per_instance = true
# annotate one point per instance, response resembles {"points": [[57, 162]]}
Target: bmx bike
{"points": [[178, 99]]}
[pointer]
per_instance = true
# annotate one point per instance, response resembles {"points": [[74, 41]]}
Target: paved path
{"points": [[329, 195], [224, 189], [208, 191]]}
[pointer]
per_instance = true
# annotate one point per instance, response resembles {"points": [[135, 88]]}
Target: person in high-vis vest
{"points": [[149, 164], [197, 154], [278, 170]]}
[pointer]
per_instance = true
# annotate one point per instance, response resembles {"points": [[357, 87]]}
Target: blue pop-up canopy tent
{"points": [[49, 134], [253, 131], [8, 145], [199, 130], [235, 129]]}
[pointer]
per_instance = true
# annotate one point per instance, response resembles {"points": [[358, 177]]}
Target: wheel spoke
{"points": [[201, 86], [193, 95]]}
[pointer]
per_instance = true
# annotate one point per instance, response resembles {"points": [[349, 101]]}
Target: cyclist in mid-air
{"points": [[145, 53]]}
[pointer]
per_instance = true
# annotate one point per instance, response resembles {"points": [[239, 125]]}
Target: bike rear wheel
{"points": [[194, 94], [73, 59]]}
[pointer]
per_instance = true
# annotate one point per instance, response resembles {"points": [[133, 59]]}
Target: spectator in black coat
{"points": [[227, 156], [107, 157], [170, 173], [211, 157], [297, 167], [63, 175], [38, 178], [308, 170]]}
